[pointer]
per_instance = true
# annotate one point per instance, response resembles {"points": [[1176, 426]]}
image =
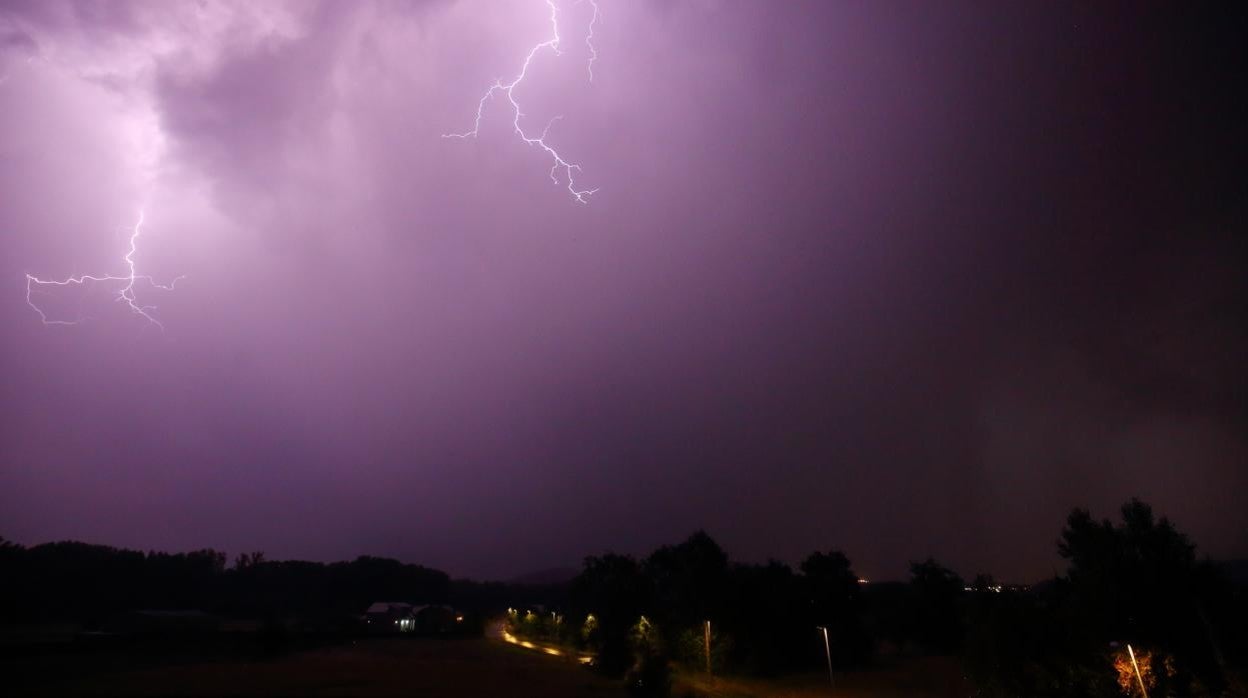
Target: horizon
{"points": [[572, 570]]}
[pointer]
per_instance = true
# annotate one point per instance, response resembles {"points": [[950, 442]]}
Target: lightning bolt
{"points": [[589, 39], [569, 169], [127, 292]]}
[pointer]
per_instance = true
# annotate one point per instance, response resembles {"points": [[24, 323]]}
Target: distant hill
{"points": [[550, 575]]}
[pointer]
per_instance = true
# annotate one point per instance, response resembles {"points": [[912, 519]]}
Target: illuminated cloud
{"points": [[844, 261]]}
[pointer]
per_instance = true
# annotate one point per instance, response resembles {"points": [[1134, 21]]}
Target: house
{"points": [[385, 617], [390, 617]]}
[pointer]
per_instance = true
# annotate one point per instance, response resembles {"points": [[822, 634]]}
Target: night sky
{"points": [[898, 278]]}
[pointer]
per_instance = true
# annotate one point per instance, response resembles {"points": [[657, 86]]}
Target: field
{"points": [[415, 666], [924, 677], [373, 667]]}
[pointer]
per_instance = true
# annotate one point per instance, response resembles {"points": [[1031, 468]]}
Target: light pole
{"points": [[1137, 670], [827, 650], [707, 636]]}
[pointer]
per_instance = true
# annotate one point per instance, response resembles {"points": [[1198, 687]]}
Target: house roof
{"points": [[388, 607], [176, 613]]}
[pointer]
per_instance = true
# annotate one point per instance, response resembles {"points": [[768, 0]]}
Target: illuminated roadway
{"points": [[498, 631]]}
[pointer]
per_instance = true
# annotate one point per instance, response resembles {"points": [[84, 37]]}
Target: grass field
{"points": [[422, 667], [924, 677], [374, 667]]}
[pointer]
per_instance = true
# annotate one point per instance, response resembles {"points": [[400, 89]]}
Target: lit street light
{"points": [[827, 650], [707, 635], [1137, 670]]}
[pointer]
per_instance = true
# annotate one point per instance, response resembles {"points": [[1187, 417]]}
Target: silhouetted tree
{"points": [[689, 580], [91, 584], [1134, 582], [1139, 582], [613, 589], [765, 622], [832, 590], [937, 618], [649, 674], [248, 560]]}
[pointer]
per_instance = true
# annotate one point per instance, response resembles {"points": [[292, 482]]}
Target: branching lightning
{"points": [[569, 169], [126, 294]]}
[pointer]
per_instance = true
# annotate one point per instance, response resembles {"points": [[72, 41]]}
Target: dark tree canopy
{"points": [[1136, 581], [89, 583], [936, 591], [689, 578]]}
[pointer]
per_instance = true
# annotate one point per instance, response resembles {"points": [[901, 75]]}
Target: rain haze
{"points": [[906, 279]]}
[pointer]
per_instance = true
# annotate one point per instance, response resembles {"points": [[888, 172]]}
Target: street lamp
{"points": [[707, 636], [1137, 670], [827, 650]]}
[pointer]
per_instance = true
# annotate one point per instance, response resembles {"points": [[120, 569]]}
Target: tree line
{"points": [[88, 584], [1137, 582], [1133, 582]]}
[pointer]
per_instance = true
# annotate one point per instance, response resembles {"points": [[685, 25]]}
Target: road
{"points": [[498, 631]]}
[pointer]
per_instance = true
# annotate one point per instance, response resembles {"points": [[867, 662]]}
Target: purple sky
{"points": [[900, 278]]}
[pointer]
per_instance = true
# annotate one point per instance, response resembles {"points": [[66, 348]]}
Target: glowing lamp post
{"points": [[1137, 670], [707, 636], [827, 650]]}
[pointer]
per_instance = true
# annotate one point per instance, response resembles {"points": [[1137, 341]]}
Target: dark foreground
{"points": [[413, 666], [368, 667]]}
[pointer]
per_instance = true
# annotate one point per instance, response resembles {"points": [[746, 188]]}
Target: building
{"points": [[390, 617], [385, 617]]}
